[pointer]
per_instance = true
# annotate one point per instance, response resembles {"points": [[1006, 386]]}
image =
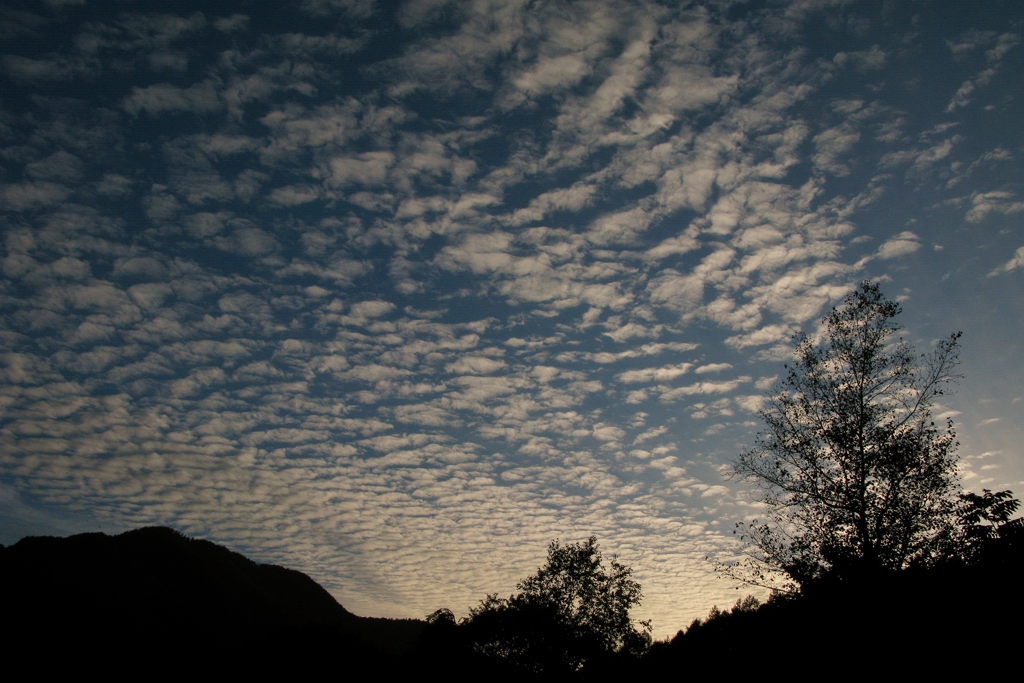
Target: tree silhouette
{"points": [[571, 612], [856, 476], [983, 522]]}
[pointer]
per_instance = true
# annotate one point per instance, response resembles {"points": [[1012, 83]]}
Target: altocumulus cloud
{"points": [[395, 293]]}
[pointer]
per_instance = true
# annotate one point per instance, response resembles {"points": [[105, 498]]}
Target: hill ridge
{"points": [[156, 588]]}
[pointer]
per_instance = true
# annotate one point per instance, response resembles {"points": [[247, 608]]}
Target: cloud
{"points": [[479, 253], [661, 374], [369, 168], [248, 242], [700, 388], [970, 40], [59, 166], [962, 97], [356, 9], [56, 68], [552, 72], [673, 246], [902, 244], [984, 204], [1004, 43], [831, 145], [114, 184], [765, 335], [604, 432], [236, 22], [32, 195], [568, 199], [166, 98], [713, 367], [140, 268], [371, 309], [329, 44], [632, 331], [921, 159], [864, 60], [1016, 262], [475, 365]]}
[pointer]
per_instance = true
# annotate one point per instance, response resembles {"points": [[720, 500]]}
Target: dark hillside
{"points": [[154, 589], [957, 617]]}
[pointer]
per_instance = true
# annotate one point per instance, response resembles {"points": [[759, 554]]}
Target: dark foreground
{"points": [[153, 602]]}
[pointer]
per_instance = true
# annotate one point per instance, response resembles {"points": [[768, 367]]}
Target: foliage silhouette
{"points": [[934, 619], [985, 522], [570, 614], [856, 476]]}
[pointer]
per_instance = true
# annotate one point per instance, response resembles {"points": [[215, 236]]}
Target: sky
{"points": [[395, 293]]}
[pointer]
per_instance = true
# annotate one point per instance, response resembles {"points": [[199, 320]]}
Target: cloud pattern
{"points": [[395, 294]]}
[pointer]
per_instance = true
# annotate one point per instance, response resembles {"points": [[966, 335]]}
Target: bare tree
{"points": [[856, 476]]}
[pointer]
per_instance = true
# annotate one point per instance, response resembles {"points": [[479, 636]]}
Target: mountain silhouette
{"points": [[153, 591]]}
